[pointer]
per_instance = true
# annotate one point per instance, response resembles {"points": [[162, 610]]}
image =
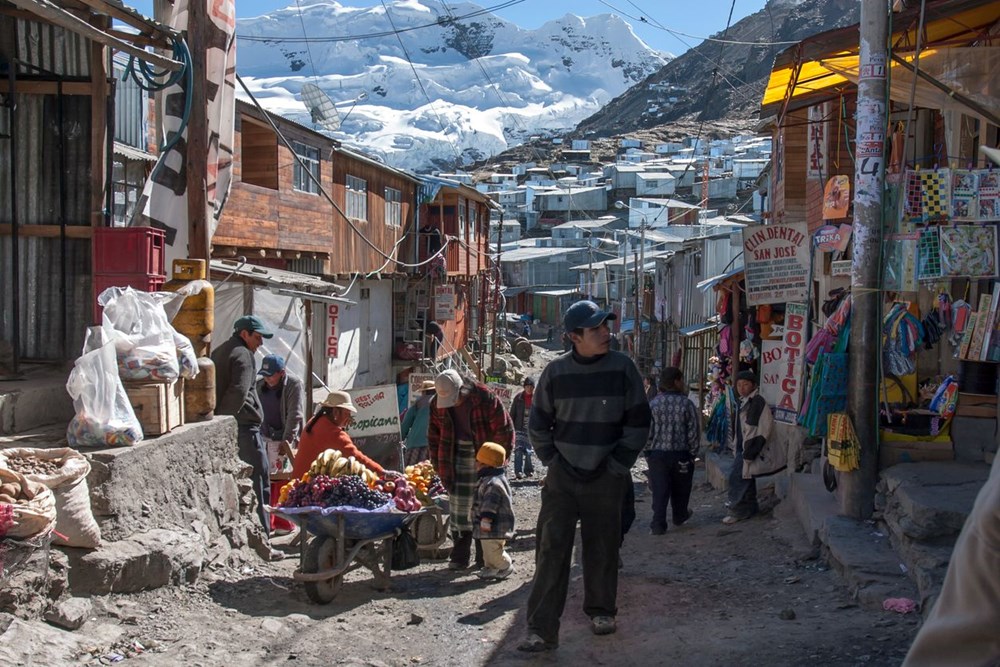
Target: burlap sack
{"points": [[34, 509], [75, 523]]}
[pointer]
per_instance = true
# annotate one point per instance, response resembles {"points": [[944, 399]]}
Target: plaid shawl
{"points": [[488, 418]]}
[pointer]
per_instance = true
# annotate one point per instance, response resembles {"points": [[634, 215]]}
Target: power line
{"points": [[372, 35]]}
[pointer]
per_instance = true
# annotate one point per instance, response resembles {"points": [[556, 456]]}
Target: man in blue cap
{"points": [[280, 395], [589, 421], [235, 372]]}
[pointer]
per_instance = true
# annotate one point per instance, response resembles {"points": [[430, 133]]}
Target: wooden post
{"points": [[196, 156]]}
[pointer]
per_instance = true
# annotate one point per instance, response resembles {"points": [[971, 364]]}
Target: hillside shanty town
{"points": [[266, 398]]}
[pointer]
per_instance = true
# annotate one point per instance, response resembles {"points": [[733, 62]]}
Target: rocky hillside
{"points": [[682, 90]]}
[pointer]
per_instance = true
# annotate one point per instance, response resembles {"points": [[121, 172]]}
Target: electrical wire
{"points": [[372, 35]]}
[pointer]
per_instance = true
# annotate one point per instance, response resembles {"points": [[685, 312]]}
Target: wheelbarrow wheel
{"points": [[322, 555]]}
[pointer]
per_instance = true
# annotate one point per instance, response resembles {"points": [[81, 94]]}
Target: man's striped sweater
{"points": [[590, 412]]}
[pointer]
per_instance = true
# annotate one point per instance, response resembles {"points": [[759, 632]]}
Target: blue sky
{"points": [[700, 18]]}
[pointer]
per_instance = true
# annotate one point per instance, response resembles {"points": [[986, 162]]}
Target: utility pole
{"points": [[635, 320], [496, 300], [858, 487], [640, 287], [196, 156]]}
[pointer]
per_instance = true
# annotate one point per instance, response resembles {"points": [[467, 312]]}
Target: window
{"points": [[357, 198], [307, 163], [393, 207]]}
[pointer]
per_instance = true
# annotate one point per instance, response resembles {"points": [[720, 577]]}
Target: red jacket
{"points": [[490, 423], [327, 435]]}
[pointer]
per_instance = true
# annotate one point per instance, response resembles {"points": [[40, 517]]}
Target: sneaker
{"points": [[453, 565], [518, 476], [274, 555], [535, 644], [529, 473], [488, 573], [504, 573], [603, 625], [730, 519]]}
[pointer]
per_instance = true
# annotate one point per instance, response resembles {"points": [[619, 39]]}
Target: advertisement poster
{"points": [[444, 302], [375, 427], [776, 262], [836, 197], [790, 374], [416, 381], [830, 238]]}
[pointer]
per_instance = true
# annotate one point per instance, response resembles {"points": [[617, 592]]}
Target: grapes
{"points": [[347, 490]]}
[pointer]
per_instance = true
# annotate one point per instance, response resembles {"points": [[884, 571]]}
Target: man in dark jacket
{"points": [[235, 371], [520, 409], [589, 422], [280, 396]]}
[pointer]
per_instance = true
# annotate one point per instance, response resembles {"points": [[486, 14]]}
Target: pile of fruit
{"points": [[332, 463], [326, 491], [425, 480], [403, 493]]}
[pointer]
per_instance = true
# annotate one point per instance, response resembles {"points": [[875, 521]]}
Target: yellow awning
{"points": [[814, 69]]}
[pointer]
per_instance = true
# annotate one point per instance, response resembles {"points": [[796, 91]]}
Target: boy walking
{"points": [[492, 512], [673, 444]]}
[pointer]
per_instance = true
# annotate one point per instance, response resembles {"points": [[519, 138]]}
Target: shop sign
{"points": [[790, 377], [840, 268], [817, 141], [416, 381], [505, 392], [444, 302], [333, 331], [831, 237], [776, 262], [770, 370], [374, 429]]}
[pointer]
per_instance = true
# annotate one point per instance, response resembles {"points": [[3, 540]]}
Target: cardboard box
{"points": [[976, 405], [890, 453], [159, 406]]}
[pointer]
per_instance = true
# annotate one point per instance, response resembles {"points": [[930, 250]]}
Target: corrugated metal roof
{"points": [[277, 277], [129, 153]]}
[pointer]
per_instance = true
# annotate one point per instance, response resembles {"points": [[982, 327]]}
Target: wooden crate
{"points": [[159, 406], [976, 405]]}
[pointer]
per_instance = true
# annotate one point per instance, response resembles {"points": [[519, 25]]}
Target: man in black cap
{"points": [[755, 454], [235, 372], [589, 422], [280, 395]]}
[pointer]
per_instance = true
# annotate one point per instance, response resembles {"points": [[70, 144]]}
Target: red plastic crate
{"points": [[144, 282], [129, 250]]}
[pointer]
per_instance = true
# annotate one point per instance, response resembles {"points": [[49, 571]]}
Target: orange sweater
{"points": [[327, 435]]}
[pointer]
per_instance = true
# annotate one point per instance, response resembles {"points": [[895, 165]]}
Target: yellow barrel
{"points": [[199, 393], [197, 314]]}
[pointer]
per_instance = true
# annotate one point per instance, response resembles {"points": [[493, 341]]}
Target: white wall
{"points": [[364, 335]]}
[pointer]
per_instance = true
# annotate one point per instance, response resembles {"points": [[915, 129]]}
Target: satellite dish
{"points": [[324, 113]]}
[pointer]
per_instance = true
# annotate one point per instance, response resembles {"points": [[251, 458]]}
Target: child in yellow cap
{"points": [[493, 512]]}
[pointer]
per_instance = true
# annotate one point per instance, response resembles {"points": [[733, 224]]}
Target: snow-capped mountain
{"points": [[446, 83]]}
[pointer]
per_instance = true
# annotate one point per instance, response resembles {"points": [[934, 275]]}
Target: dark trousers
{"points": [[742, 492], [253, 452], [461, 551], [597, 504], [628, 509], [671, 475]]}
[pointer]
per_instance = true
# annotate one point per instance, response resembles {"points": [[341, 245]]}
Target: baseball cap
{"points": [[273, 363], [251, 323], [448, 384], [585, 315], [339, 399]]}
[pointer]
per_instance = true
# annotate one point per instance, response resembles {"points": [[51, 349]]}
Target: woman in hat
{"points": [[414, 427], [326, 431]]}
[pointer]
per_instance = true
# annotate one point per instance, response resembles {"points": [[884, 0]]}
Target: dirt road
{"points": [[704, 594]]}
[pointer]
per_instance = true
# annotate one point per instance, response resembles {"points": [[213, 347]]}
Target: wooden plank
{"points": [[48, 231], [47, 87]]}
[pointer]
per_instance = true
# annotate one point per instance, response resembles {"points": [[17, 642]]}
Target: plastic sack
{"points": [[147, 349], [104, 415], [186, 358], [34, 510], [404, 551], [75, 523]]}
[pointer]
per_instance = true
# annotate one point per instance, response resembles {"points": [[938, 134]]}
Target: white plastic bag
{"points": [[104, 415], [147, 349]]}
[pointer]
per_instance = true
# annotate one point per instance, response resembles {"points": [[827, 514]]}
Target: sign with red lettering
{"points": [[830, 238], [332, 331], [816, 163], [776, 262], [770, 370], [444, 302], [374, 428], [789, 398]]}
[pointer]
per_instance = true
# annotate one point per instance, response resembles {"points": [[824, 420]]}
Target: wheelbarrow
{"points": [[344, 539]]}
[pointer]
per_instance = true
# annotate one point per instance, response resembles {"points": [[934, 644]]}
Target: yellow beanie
{"points": [[491, 454]]}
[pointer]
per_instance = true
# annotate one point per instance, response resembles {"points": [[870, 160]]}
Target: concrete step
{"points": [[865, 559], [812, 503], [38, 399]]}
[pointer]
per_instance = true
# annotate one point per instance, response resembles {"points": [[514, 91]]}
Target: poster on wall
{"points": [[444, 302], [375, 427], [786, 408], [968, 251], [776, 262], [836, 197]]}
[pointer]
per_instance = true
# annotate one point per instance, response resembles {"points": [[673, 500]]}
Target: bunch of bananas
{"points": [[333, 464]]}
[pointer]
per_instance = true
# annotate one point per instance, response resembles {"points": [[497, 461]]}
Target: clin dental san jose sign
{"points": [[776, 262]]}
